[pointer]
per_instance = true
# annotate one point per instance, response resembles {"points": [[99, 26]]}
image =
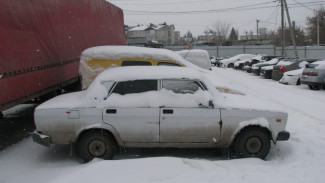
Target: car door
{"points": [[188, 124], [134, 121]]}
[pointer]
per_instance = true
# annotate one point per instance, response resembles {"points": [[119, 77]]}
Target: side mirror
{"points": [[211, 104]]}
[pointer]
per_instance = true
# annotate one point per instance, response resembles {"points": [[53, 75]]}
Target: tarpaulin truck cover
{"points": [[41, 42]]}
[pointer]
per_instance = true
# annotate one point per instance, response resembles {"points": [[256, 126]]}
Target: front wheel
{"points": [[96, 144], [252, 142], [230, 65]]}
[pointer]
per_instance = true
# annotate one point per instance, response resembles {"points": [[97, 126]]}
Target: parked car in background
{"points": [[241, 64], [94, 60], [267, 71], [313, 75], [197, 57], [152, 107], [229, 62], [213, 60], [248, 65], [256, 68], [291, 77], [289, 65]]}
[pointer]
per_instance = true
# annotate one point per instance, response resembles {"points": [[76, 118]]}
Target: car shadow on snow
{"points": [[63, 153], [197, 153]]}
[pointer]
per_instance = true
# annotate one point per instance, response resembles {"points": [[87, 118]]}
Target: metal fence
{"points": [[317, 52]]}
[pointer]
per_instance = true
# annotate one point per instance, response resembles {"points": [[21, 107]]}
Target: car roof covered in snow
{"points": [[147, 72], [197, 57], [131, 52]]}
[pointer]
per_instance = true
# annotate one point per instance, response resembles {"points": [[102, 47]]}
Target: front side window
{"points": [[167, 64], [137, 86], [135, 63], [182, 86]]}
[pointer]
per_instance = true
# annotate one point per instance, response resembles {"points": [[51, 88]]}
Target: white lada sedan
{"points": [[145, 106]]}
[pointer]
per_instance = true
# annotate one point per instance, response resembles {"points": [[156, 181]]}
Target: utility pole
{"points": [[257, 21], [282, 28], [317, 30], [291, 30]]}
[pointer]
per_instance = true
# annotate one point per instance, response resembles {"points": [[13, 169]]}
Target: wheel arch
{"points": [[250, 127], [110, 131]]}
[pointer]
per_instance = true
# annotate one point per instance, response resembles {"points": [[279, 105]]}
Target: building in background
{"points": [[162, 34]]}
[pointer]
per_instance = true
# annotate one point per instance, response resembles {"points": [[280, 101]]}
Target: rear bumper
{"points": [[282, 136], [41, 139]]}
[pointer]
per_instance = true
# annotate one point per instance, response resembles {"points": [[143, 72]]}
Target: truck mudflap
{"points": [[41, 139], [283, 135]]}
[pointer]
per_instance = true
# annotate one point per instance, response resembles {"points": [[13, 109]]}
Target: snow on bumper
{"points": [[41, 139]]}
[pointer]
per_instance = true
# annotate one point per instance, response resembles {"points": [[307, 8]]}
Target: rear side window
{"points": [[135, 63], [182, 86], [167, 64], [137, 86]]}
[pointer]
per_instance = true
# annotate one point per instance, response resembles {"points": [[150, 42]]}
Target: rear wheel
{"points": [[96, 144], [230, 65], [314, 87], [252, 142]]}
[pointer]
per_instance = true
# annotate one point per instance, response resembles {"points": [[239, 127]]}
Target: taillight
{"points": [[283, 69], [310, 73]]}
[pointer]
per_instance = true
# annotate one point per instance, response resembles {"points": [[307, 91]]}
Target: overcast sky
{"points": [[197, 15]]}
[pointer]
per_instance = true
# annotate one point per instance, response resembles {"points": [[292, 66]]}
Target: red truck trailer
{"points": [[41, 42]]}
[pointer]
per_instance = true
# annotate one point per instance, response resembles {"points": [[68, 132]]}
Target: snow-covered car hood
{"points": [[267, 68]]}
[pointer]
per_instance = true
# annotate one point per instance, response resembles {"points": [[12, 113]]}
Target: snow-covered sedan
{"points": [[157, 107], [229, 62]]}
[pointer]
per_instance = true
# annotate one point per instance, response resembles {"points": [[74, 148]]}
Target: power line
{"points": [[240, 8], [150, 4], [303, 5], [202, 11]]}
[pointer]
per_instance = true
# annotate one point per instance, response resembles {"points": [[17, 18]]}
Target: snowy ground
{"points": [[301, 159]]}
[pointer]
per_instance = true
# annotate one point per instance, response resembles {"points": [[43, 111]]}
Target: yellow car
{"points": [[97, 59]]}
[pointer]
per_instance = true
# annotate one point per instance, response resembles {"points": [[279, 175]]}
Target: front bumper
{"points": [[282, 136], [41, 139]]}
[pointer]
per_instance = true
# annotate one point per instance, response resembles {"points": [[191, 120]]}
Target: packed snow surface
{"points": [[301, 159]]}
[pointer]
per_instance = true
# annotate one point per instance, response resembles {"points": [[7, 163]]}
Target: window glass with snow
{"points": [[135, 63], [167, 64], [137, 86], [182, 86]]}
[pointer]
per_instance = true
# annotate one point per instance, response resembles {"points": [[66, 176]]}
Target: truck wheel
{"points": [[230, 65], [96, 145], [252, 142]]}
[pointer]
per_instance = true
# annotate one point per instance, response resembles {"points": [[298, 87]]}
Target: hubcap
{"points": [[253, 145], [97, 148]]}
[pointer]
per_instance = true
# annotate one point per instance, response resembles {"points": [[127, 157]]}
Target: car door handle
{"points": [[168, 111], [111, 111]]}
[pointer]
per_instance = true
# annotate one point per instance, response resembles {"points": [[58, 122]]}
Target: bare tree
{"points": [[221, 29], [312, 26]]}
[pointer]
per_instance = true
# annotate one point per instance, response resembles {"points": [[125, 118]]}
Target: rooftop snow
{"points": [[130, 52]]}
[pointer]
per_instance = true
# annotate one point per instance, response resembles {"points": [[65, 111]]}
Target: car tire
{"points": [[96, 144], [298, 82], [314, 87], [252, 142], [230, 66]]}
